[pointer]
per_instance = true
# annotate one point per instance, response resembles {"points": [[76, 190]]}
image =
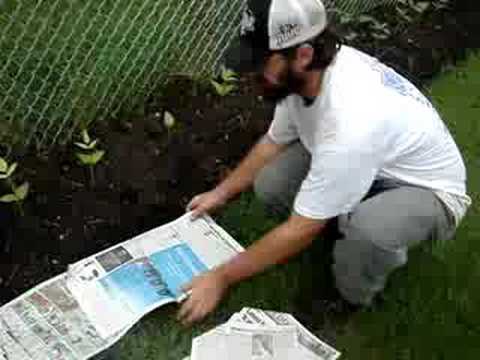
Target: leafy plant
{"points": [[227, 84], [88, 155], [383, 22], [18, 193]]}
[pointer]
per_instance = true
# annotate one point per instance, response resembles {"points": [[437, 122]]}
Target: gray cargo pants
{"points": [[377, 234]]}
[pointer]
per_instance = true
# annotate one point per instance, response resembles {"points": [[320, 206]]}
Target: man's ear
{"points": [[304, 57]]}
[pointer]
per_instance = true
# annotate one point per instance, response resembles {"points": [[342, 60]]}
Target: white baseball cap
{"points": [[269, 25]]}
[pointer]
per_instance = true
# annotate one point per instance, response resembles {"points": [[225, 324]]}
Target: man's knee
{"points": [[279, 181], [270, 195], [361, 267], [262, 187]]}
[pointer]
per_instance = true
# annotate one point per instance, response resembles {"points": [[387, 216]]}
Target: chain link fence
{"points": [[65, 63]]}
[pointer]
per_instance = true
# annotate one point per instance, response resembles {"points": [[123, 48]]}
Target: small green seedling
{"points": [[228, 82], [18, 193], [169, 122], [88, 155]]}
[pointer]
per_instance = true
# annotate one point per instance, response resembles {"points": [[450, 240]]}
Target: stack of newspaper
{"points": [[254, 334]]}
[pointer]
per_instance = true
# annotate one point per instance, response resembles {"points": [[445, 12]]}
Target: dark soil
{"points": [[147, 178], [148, 175]]}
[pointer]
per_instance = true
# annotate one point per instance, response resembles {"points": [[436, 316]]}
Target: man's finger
{"points": [[185, 310], [199, 211], [192, 203], [187, 287], [195, 315], [194, 214]]}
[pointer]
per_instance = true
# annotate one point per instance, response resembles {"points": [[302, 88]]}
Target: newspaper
{"points": [[311, 346], [48, 323], [254, 334], [87, 309], [241, 341]]}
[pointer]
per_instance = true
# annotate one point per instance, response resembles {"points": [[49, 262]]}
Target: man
{"points": [[350, 140]]}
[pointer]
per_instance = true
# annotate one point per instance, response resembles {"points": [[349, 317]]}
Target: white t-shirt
{"points": [[368, 123]]}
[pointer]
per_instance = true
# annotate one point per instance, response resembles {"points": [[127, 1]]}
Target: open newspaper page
{"points": [[312, 347], [120, 285], [48, 323]]}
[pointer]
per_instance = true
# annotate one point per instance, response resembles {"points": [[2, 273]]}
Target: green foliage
{"points": [[17, 193], [87, 146], [386, 21], [21, 192], [88, 154], [7, 172], [3, 165], [227, 82], [229, 75], [92, 158]]}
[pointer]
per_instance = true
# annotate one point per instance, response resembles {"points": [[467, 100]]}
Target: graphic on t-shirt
{"points": [[393, 80]]}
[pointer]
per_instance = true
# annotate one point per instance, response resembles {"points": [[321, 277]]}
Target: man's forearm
{"points": [[244, 175], [278, 245]]}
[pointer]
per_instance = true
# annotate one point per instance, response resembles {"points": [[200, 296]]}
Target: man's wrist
{"points": [[222, 274], [222, 192]]}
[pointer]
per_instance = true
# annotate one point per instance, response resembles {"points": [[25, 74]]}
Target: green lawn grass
{"points": [[431, 308]]}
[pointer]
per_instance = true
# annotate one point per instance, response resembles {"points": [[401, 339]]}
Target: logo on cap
{"points": [[285, 33]]}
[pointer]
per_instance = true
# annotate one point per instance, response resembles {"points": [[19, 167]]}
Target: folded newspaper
{"points": [[82, 312], [255, 334]]}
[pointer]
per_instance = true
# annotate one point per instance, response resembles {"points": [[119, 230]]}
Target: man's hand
{"points": [[206, 292], [207, 202], [286, 240], [239, 180]]}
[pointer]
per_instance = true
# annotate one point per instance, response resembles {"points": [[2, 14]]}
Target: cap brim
{"points": [[242, 57]]}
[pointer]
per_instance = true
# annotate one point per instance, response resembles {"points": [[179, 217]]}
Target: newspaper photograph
{"points": [[120, 285], [268, 341]]}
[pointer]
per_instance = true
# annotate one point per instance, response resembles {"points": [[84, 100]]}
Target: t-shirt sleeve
{"points": [[339, 177], [282, 129]]}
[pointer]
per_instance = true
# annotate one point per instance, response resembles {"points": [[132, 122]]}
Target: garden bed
{"points": [[146, 178], [148, 174]]}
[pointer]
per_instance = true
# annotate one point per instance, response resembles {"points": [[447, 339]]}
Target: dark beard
{"points": [[278, 94]]}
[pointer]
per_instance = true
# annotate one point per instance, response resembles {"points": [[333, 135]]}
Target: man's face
{"points": [[278, 80]]}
